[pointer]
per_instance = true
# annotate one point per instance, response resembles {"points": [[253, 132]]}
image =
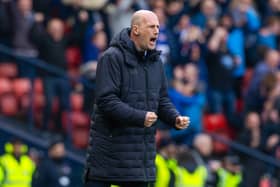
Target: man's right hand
{"points": [[150, 119]]}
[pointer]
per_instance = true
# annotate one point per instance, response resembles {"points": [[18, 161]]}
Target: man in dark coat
{"points": [[53, 171], [131, 94]]}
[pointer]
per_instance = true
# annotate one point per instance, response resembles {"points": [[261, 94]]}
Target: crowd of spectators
{"points": [[218, 54]]}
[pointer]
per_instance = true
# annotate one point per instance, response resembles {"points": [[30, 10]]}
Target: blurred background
{"points": [[222, 63]]}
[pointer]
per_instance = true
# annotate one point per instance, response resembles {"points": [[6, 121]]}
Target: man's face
{"points": [[17, 149], [148, 32], [58, 151], [25, 5], [55, 29]]}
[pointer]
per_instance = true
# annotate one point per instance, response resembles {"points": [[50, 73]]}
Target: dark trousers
{"points": [[55, 86], [121, 184]]}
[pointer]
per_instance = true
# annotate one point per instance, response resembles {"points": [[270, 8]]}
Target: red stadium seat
{"points": [[80, 120], [39, 101], [218, 125], [77, 101], [77, 120], [38, 86], [80, 138], [8, 105], [8, 70], [21, 86], [5, 86], [73, 57], [24, 102], [215, 122]]}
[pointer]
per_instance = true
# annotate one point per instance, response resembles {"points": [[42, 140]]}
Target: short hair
{"points": [[54, 142]]}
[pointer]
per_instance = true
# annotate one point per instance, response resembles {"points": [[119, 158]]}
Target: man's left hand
{"points": [[182, 122]]}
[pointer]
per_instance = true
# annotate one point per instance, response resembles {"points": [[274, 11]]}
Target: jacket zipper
{"points": [[145, 128]]}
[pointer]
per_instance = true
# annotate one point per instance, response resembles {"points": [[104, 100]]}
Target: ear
{"points": [[135, 30]]}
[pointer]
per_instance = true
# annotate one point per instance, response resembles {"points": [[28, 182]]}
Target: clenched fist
{"points": [[182, 122], [150, 119]]}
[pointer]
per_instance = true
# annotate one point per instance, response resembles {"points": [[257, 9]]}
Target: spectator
{"points": [[94, 46], [166, 42], [255, 95], [221, 64], [251, 137], [16, 168], [203, 152], [190, 101], [230, 174], [271, 8], [22, 18], [235, 44], [208, 10], [268, 34], [174, 10], [53, 171], [166, 164], [271, 132], [119, 14], [5, 27], [245, 15], [193, 172], [52, 45]]}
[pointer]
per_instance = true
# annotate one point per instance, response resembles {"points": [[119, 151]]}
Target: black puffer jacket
{"points": [[128, 85]]}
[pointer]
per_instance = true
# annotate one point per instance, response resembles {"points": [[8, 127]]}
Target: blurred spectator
{"points": [[255, 95], [164, 39], [245, 19], [5, 27], [174, 10], [245, 15], [16, 168], [271, 136], [203, 152], [53, 171], [251, 137], [269, 32], [22, 19], [52, 44], [235, 44], [166, 164], [189, 100], [271, 8], [119, 14], [230, 174], [192, 172], [209, 10], [221, 64], [95, 43]]}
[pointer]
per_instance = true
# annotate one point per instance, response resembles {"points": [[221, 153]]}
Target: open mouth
{"points": [[153, 39]]}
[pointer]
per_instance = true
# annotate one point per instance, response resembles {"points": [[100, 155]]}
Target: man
{"points": [[131, 94], [53, 171], [16, 168], [52, 43]]}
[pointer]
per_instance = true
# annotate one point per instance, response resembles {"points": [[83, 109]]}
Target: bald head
{"points": [[140, 16], [144, 29]]}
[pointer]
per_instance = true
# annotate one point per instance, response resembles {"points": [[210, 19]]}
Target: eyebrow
{"points": [[153, 25]]}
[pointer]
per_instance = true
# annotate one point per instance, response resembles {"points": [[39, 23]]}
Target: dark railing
{"points": [[248, 151]]}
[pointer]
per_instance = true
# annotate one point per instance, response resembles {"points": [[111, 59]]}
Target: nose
{"points": [[156, 31]]}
